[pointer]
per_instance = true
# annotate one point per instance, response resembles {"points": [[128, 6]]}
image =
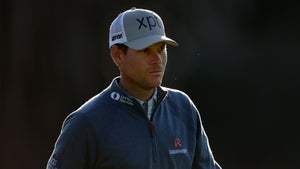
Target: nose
{"points": [[156, 58]]}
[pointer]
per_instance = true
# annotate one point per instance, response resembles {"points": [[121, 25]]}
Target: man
{"points": [[135, 123]]}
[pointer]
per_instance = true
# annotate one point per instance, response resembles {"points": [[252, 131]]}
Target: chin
{"points": [[156, 83]]}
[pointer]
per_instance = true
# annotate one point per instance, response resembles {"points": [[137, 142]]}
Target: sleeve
{"points": [[204, 158], [71, 147]]}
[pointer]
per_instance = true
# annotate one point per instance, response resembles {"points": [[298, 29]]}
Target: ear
{"points": [[116, 54]]}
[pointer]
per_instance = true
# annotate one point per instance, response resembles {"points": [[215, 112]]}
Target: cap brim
{"points": [[143, 43]]}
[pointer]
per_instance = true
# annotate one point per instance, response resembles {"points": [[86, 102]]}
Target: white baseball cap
{"points": [[138, 29]]}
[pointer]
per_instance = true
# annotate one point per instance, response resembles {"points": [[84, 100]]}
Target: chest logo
{"points": [[177, 142], [177, 147], [123, 99]]}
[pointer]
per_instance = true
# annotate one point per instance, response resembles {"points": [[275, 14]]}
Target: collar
{"points": [[119, 94], [152, 99]]}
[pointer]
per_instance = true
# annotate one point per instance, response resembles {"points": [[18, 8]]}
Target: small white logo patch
{"points": [[123, 99], [115, 95], [52, 163]]}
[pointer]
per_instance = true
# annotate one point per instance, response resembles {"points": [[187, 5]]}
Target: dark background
{"points": [[238, 60]]}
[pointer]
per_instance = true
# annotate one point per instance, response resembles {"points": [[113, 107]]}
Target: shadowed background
{"points": [[238, 61]]}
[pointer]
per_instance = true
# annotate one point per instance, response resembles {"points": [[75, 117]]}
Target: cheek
{"points": [[164, 60], [131, 68]]}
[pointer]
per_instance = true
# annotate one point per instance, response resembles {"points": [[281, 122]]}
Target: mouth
{"points": [[156, 71]]}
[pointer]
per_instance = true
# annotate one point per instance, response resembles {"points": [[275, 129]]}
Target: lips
{"points": [[156, 71]]}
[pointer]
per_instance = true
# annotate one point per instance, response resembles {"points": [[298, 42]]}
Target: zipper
{"points": [[152, 129], [160, 97], [154, 145]]}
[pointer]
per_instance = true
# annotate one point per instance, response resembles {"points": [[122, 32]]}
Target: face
{"points": [[143, 69]]}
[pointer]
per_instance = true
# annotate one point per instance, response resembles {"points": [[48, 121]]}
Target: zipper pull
{"points": [[152, 129]]}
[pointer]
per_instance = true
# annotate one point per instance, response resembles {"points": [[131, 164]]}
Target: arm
{"points": [[71, 149], [204, 158]]}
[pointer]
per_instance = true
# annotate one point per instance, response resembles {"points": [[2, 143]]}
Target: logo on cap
{"points": [[118, 36], [150, 22]]}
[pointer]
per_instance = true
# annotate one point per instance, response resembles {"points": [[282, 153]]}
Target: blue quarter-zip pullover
{"points": [[112, 131]]}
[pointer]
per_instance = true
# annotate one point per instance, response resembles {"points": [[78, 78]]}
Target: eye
{"points": [[161, 48], [145, 50]]}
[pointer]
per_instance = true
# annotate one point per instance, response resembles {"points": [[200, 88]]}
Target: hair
{"points": [[123, 47]]}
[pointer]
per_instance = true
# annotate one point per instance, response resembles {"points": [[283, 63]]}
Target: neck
{"points": [[137, 91]]}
